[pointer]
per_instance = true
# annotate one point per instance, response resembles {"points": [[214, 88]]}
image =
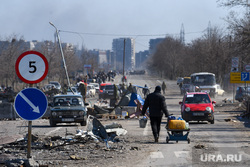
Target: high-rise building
{"points": [[140, 59], [153, 43], [118, 51]]}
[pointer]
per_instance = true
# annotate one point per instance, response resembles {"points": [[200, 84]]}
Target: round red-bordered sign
{"points": [[31, 67]]}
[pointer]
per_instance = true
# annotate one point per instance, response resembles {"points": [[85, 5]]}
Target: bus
{"points": [[203, 82]]}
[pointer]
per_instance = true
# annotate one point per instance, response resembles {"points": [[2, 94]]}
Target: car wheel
{"points": [[52, 123], [84, 122], [212, 121]]}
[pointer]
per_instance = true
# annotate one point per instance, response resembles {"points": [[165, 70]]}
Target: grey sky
{"points": [[30, 19]]}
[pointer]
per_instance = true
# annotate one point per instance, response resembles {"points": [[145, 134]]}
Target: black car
{"points": [[242, 93], [68, 109]]}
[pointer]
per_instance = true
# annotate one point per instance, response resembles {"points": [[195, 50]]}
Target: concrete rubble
{"points": [[77, 146]]}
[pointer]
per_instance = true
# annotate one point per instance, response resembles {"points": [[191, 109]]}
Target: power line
{"points": [[127, 35]]}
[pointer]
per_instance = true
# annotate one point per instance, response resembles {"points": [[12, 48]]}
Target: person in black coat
{"points": [[157, 106]]}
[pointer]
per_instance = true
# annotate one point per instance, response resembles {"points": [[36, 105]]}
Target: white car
{"points": [[91, 91], [219, 91], [57, 84], [96, 85]]}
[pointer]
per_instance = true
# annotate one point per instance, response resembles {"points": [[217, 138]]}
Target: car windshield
{"points": [[68, 101], [203, 80], [186, 81], [73, 88], [108, 87], [197, 98], [244, 89], [55, 83]]}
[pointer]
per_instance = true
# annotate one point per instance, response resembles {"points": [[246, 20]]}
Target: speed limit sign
{"points": [[31, 67]]}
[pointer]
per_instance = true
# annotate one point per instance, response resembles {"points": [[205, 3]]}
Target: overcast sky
{"points": [[105, 20]]}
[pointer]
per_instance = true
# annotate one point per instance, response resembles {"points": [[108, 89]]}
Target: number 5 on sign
{"points": [[31, 67]]}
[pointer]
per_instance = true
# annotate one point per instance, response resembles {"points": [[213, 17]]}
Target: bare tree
{"points": [[12, 48], [233, 3], [167, 57]]}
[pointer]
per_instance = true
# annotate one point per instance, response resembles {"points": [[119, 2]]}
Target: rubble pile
{"points": [[99, 145]]}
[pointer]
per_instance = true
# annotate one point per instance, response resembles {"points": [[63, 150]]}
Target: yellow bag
{"points": [[176, 124]]}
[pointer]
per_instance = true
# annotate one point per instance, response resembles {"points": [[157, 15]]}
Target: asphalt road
{"points": [[220, 144]]}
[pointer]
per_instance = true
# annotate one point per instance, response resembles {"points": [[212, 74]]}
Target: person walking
{"points": [[163, 86], [157, 106], [115, 96], [145, 91], [83, 90]]}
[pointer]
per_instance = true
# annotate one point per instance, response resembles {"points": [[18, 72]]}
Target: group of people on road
{"points": [[146, 91]]}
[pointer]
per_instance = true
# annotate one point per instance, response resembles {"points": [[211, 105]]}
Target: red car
{"points": [[103, 86], [197, 106]]}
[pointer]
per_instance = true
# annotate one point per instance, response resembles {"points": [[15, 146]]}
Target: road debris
{"points": [[98, 141], [199, 146]]}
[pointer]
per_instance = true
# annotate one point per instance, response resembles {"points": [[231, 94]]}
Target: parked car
{"points": [[179, 80], [102, 86], [242, 92], [91, 91], [186, 80], [57, 84], [108, 92], [185, 88], [96, 85], [219, 91], [48, 87], [68, 109], [197, 106]]}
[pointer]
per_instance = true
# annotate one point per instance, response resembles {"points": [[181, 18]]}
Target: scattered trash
{"points": [[228, 120], [227, 100], [199, 146], [134, 148]]}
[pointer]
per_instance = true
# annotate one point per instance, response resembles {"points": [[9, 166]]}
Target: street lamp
{"points": [[59, 42]]}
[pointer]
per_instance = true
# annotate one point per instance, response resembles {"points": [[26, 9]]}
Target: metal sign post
{"points": [[31, 103], [29, 140], [29, 136]]}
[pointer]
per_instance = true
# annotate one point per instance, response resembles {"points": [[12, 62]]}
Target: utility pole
{"points": [[59, 42], [182, 34]]}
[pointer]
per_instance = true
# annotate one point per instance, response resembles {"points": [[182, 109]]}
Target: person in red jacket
{"points": [[157, 106]]}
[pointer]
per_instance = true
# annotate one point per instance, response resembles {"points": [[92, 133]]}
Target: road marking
{"points": [[52, 131], [181, 154], [156, 155]]}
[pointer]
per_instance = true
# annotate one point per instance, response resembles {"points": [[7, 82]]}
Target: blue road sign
{"points": [[245, 76], [30, 104]]}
